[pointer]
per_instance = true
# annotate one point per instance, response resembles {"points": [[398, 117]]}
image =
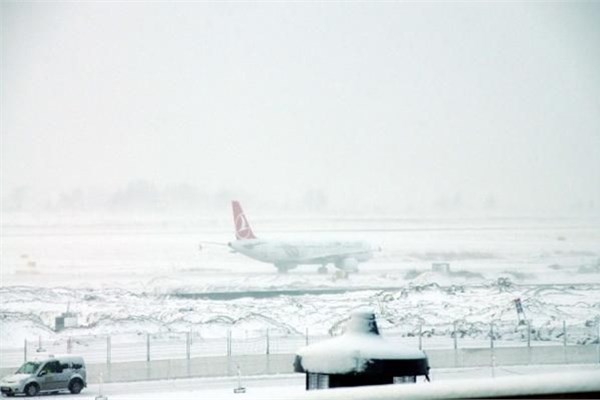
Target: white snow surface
{"points": [[502, 387], [455, 381]]}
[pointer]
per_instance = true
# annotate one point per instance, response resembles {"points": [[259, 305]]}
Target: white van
{"points": [[50, 374]]}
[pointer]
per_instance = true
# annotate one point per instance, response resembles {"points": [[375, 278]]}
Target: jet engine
{"points": [[284, 268]]}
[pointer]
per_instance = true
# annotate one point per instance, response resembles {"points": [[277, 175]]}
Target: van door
{"points": [[51, 376], [64, 376]]}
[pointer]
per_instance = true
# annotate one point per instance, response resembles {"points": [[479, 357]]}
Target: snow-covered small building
{"points": [[359, 357], [441, 267], [65, 320]]}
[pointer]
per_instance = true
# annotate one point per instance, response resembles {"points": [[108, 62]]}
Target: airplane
{"points": [[345, 255]]}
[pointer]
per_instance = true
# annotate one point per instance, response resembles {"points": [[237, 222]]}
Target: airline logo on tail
{"points": [[242, 227]]}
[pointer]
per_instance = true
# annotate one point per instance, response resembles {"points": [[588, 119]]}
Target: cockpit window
{"points": [[28, 368]]}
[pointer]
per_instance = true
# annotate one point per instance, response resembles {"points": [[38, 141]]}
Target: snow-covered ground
{"points": [[131, 278], [288, 386]]}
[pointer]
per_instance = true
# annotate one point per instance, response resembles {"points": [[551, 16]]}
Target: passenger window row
{"points": [[56, 367]]}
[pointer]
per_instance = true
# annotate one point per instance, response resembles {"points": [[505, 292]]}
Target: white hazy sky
{"points": [[372, 103]]}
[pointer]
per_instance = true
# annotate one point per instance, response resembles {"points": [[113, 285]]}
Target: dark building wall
{"points": [[352, 380]]}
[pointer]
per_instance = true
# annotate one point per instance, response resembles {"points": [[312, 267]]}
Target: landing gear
{"points": [[341, 274], [322, 270]]}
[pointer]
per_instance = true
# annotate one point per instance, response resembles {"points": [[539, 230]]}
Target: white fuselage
{"points": [[344, 255]]}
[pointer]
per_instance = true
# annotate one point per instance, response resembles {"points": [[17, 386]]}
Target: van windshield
{"points": [[28, 368]]}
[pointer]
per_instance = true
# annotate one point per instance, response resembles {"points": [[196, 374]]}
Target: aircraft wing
{"points": [[332, 256], [202, 245]]}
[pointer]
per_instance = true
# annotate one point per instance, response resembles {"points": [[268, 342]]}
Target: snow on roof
{"points": [[46, 356], [352, 351]]}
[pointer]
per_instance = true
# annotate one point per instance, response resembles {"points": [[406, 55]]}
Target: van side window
{"points": [[65, 366], [53, 367], [76, 366]]}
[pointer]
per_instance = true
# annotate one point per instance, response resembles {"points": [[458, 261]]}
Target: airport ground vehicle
{"points": [[46, 374]]}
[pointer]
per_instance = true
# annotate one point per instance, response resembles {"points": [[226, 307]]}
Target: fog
{"points": [[322, 107]]}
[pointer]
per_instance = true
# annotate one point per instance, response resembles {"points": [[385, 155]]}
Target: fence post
{"points": [[598, 341], [528, 342], [565, 341], [229, 342], [25, 352], [188, 342], [147, 347], [420, 337], [108, 349], [69, 345], [188, 367], [492, 351], [268, 343], [454, 334], [306, 337]]}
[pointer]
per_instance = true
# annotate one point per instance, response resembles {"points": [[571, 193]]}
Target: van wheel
{"points": [[32, 389], [75, 386]]}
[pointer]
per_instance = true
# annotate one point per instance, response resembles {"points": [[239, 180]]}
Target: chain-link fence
{"points": [[121, 348]]}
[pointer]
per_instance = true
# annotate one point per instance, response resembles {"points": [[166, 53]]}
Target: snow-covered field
{"points": [[125, 277], [290, 386]]}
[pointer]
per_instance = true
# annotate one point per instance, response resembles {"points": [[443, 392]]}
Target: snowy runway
{"points": [[132, 279]]}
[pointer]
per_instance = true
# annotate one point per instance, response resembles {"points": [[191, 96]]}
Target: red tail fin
{"points": [[242, 227]]}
